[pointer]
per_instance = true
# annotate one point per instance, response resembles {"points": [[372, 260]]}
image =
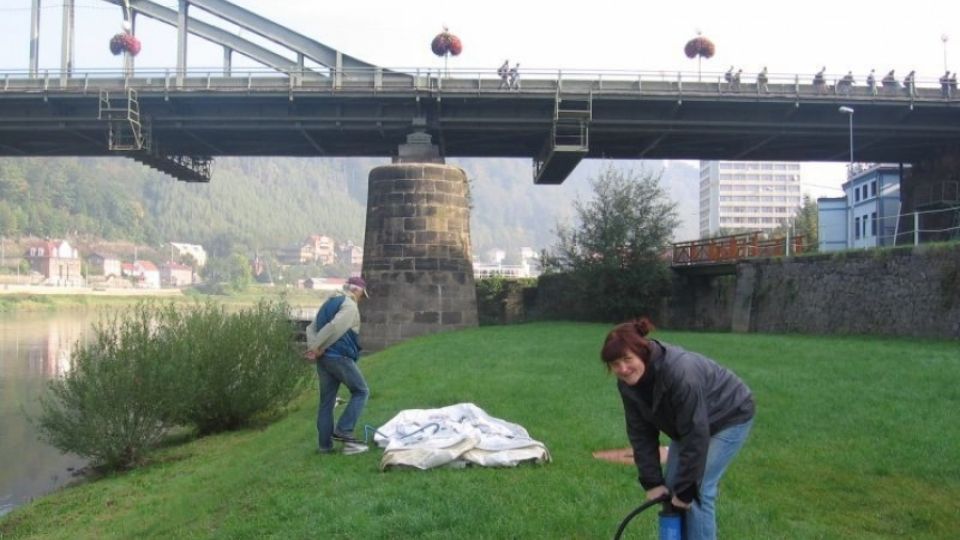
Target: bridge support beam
{"points": [[417, 256], [67, 42], [182, 18], [34, 38], [932, 188]]}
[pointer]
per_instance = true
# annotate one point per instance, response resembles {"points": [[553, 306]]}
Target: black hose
{"points": [[623, 524]]}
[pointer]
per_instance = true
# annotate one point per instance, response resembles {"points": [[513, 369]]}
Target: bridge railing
{"points": [[732, 248], [472, 80]]}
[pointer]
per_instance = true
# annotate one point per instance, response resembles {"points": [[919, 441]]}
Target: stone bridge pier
{"points": [[417, 257]]}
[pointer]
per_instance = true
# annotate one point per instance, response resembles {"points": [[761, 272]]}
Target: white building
{"points": [[196, 251], [529, 265], [867, 215], [748, 195]]}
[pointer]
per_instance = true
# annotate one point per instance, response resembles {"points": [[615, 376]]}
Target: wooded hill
{"points": [[267, 203]]}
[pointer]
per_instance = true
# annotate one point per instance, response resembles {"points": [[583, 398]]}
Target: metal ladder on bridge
{"points": [[569, 139], [571, 116], [124, 129]]}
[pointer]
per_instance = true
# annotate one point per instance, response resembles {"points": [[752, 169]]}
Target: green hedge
{"points": [[153, 367]]}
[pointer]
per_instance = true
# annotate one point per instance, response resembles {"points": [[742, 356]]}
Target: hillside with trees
{"points": [[262, 204]]}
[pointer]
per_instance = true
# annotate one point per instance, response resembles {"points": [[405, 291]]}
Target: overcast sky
{"points": [[787, 37]]}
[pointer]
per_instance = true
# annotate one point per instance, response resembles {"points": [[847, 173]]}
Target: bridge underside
{"points": [[320, 121]]}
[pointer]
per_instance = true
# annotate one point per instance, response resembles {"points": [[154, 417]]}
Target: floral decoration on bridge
{"points": [[699, 46], [125, 42], [446, 43]]}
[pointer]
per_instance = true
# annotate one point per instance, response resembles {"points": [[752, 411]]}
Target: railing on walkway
{"points": [[677, 83], [732, 248]]}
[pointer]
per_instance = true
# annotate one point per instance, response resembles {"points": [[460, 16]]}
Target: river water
{"points": [[34, 348]]}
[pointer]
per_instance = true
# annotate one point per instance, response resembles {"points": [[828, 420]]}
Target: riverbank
{"points": [[19, 298]]}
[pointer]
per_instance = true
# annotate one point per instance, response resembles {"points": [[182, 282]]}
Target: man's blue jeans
{"points": [[334, 371], [700, 521]]}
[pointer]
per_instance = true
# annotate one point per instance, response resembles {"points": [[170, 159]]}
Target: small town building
{"points": [[57, 261], [867, 215], [103, 264], [174, 274]]}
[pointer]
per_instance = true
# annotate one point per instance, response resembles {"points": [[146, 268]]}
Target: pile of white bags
{"points": [[455, 436]]}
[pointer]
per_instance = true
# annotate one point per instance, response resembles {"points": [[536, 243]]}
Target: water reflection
{"points": [[34, 348]]}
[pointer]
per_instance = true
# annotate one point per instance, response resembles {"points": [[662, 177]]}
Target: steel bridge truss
{"points": [[128, 131]]}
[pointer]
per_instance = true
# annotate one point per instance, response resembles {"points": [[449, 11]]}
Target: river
{"points": [[34, 348]]}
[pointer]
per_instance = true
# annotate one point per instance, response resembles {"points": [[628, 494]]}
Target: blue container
{"points": [[671, 525]]}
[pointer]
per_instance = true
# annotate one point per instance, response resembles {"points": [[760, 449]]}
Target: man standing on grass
{"points": [[333, 342]]}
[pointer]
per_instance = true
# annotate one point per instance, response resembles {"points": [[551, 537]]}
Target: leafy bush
{"points": [[233, 366], [112, 405], [501, 300], [152, 367]]}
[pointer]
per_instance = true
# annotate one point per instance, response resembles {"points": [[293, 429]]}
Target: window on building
{"points": [[873, 224], [864, 223], [856, 226], [856, 194], [873, 188]]}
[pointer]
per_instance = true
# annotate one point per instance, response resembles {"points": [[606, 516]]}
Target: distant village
{"points": [[58, 263]]}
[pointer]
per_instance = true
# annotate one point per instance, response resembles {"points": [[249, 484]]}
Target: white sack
{"points": [[455, 436]]}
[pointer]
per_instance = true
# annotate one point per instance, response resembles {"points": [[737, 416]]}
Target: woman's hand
{"points": [[656, 492], [679, 504], [310, 355]]}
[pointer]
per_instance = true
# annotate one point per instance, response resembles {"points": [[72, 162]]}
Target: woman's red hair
{"points": [[628, 337]]}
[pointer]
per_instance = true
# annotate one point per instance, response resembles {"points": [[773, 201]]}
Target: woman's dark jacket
{"points": [[690, 398]]}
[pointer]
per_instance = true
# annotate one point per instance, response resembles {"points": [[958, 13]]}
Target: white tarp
{"points": [[456, 436]]}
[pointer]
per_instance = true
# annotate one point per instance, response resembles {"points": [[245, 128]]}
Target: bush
{"points": [[152, 367], [112, 405], [234, 366]]}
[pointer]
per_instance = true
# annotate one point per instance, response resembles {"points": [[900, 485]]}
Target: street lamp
{"points": [[849, 111], [944, 38]]}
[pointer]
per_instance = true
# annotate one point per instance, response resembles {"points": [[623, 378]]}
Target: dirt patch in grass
{"points": [[624, 456]]}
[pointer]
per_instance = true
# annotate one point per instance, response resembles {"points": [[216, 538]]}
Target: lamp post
{"points": [[849, 111], [944, 38]]}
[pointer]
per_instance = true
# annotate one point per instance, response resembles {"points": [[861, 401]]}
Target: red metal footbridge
{"points": [[721, 254]]}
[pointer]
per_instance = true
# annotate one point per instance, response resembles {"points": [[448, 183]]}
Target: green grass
{"points": [[854, 438]]}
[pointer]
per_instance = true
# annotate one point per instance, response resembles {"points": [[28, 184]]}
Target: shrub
{"points": [[112, 405], [234, 366]]}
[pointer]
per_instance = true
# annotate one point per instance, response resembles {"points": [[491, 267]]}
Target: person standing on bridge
{"points": [[908, 83], [872, 82], [515, 77], [504, 72], [945, 84], [333, 343], [820, 81], [705, 409], [762, 79], [846, 84], [736, 80]]}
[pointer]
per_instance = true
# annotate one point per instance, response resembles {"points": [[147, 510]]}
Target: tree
{"points": [[613, 253], [228, 274], [805, 222]]}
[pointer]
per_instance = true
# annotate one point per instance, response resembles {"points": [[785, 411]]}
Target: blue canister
{"points": [[671, 523]]}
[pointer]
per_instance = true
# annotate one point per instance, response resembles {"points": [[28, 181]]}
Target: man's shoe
{"points": [[346, 438], [351, 448]]}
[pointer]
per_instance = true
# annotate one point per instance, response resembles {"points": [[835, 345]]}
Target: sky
{"points": [[629, 36]]}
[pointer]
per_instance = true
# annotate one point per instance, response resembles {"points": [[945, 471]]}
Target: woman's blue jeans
{"points": [[334, 371], [700, 521]]}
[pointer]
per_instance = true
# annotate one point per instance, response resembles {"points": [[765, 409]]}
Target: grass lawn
{"points": [[854, 438]]}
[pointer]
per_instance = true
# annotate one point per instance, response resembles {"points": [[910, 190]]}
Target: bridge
{"points": [[179, 119], [309, 99], [720, 255]]}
